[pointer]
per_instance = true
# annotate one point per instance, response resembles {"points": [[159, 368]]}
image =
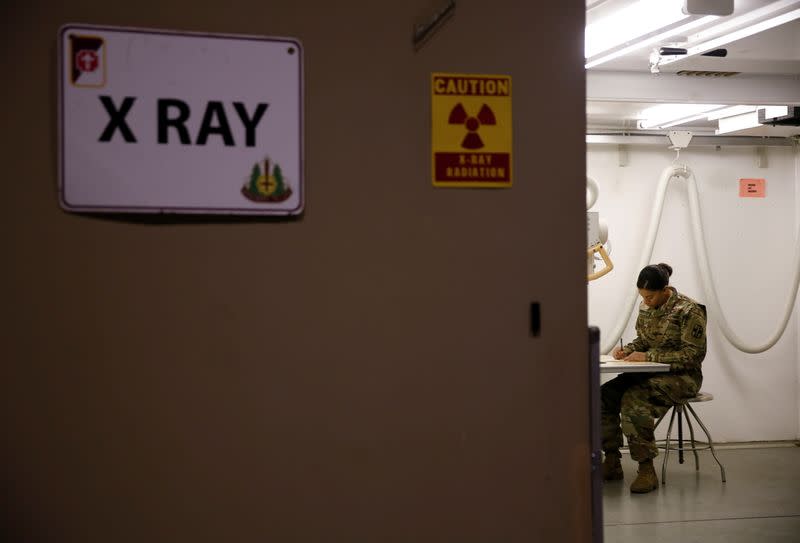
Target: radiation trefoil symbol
{"points": [[459, 115], [266, 186]]}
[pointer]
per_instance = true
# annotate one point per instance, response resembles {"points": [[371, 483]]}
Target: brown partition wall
{"points": [[366, 373]]}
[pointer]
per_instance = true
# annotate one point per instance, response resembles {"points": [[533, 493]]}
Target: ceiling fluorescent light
{"points": [[632, 22], [745, 32], [735, 123], [593, 4], [667, 115], [749, 119], [730, 112], [682, 121], [643, 42], [775, 111], [729, 118]]}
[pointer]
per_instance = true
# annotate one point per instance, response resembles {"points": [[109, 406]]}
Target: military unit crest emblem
{"points": [[265, 185]]}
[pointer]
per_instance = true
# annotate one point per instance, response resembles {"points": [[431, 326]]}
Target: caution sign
{"points": [[471, 130]]}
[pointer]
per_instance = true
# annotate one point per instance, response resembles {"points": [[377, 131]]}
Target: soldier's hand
{"points": [[636, 357], [618, 353]]}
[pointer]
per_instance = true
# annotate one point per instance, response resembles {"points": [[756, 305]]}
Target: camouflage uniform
{"points": [[674, 334]]}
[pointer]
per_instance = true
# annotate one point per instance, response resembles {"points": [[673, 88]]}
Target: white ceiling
{"points": [[765, 60]]}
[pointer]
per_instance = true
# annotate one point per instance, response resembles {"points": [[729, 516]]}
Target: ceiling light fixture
{"points": [[754, 118], [631, 22], [729, 118], [668, 115], [754, 22], [647, 23], [643, 42], [730, 112]]}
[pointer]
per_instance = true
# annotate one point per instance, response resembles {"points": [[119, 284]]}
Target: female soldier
{"points": [[671, 329]]}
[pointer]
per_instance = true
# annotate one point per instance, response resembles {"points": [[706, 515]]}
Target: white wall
{"points": [[751, 245]]}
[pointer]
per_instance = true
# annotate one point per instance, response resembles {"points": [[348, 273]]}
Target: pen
{"points": [[620, 343]]}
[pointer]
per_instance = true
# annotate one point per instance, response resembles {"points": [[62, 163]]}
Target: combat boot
{"points": [[612, 467], [646, 479]]}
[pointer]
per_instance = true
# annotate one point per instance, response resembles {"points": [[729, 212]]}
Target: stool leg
{"points": [[679, 409], [666, 450], [694, 446], [710, 441], [659, 421]]}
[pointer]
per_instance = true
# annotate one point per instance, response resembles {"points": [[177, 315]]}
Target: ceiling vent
{"points": [[706, 73]]}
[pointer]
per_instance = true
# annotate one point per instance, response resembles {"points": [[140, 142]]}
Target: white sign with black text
{"points": [[166, 122]]}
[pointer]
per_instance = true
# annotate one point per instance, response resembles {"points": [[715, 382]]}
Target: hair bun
{"points": [[666, 267]]}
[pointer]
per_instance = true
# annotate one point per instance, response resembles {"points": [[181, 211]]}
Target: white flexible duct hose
{"points": [[650, 241], [592, 191], [679, 170], [708, 283]]}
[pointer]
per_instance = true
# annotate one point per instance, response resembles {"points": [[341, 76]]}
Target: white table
{"points": [[609, 365]]}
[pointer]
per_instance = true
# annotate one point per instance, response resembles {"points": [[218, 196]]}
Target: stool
{"points": [[682, 409]]}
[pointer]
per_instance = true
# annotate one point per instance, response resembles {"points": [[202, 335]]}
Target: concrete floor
{"points": [[760, 502]]}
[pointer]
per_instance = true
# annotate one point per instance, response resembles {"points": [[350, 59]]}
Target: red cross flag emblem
{"points": [[86, 61]]}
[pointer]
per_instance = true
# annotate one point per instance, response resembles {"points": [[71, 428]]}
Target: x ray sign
{"points": [[471, 130], [158, 121]]}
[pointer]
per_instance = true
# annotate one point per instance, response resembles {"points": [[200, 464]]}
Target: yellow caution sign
{"points": [[471, 130]]}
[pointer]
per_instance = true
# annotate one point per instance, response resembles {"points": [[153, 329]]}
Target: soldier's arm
{"points": [[693, 344], [638, 344]]}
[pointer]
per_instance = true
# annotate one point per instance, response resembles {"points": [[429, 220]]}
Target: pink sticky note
{"points": [[752, 188]]}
